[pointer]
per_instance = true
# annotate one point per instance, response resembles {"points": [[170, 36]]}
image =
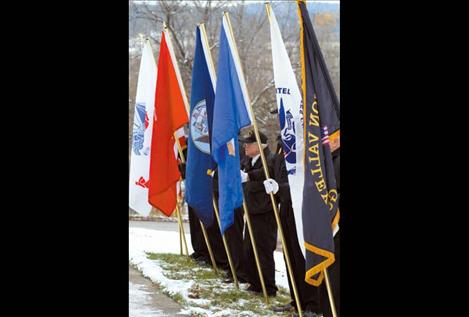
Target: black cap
{"points": [[252, 138]]}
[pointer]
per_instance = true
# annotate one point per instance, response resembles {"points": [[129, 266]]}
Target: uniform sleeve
{"points": [[282, 179]]}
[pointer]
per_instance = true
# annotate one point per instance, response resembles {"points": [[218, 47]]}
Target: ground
{"points": [[180, 287]]}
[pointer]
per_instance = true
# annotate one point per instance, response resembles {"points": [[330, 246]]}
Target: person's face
{"points": [[251, 149]]}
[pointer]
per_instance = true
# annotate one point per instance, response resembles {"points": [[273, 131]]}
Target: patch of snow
{"points": [[143, 240], [139, 302]]}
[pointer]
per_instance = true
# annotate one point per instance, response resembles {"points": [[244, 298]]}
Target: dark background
{"points": [[402, 205]]}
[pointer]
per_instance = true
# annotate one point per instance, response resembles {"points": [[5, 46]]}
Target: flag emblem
{"points": [[287, 127], [139, 130], [142, 182], [199, 127], [324, 135]]}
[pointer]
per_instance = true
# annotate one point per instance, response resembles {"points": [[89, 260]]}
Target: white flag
{"points": [[290, 111], [142, 133]]}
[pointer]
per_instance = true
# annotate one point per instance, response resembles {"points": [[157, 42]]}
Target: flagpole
{"points": [[176, 67], [256, 256], [180, 232], [180, 235], [329, 292], [266, 172], [179, 219], [213, 78], [245, 207], [181, 86], [303, 88], [225, 244], [181, 225], [207, 242], [282, 237], [186, 104]]}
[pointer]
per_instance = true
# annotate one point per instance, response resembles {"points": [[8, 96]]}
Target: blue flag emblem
{"points": [[139, 128], [199, 127], [199, 185], [287, 127], [230, 114]]}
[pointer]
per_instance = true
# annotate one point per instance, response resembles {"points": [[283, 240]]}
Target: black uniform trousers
{"points": [[197, 238], [263, 222], [265, 235], [308, 294], [214, 237], [234, 239]]}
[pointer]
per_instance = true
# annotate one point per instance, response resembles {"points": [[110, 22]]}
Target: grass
{"points": [[208, 286]]}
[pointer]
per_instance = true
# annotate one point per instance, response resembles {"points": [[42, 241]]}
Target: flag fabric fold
{"points": [[290, 112], [230, 114], [170, 116], [142, 133], [199, 184], [321, 124]]}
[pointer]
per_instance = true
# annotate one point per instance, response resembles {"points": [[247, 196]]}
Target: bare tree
{"points": [[252, 36]]}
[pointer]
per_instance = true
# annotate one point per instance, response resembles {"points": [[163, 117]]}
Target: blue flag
{"points": [[199, 183], [230, 114]]}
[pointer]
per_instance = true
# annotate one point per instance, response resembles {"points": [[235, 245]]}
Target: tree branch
{"points": [[259, 95]]}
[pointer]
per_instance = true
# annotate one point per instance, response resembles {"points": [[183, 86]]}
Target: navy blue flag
{"points": [[321, 121], [199, 184], [229, 116]]}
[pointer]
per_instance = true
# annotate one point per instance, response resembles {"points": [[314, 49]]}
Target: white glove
{"points": [[271, 186], [244, 176]]}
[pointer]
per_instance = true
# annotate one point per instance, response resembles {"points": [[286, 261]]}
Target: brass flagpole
{"points": [[254, 247], [186, 104], [303, 88], [212, 73], [178, 75], [225, 244], [207, 242], [179, 219], [246, 213], [266, 172], [181, 227], [329, 292]]}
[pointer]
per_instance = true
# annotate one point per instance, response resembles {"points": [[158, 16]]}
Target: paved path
{"points": [[146, 300]]}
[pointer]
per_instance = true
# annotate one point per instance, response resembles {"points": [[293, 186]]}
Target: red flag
{"points": [[170, 115]]}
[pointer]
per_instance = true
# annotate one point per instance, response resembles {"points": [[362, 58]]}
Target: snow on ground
{"points": [[139, 300], [147, 240]]}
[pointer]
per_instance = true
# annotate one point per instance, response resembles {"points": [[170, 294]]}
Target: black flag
{"points": [[322, 124]]}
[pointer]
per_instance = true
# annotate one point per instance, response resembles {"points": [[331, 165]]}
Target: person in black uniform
{"points": [[201, 254], [234, 234], [308, 294], [234, 239], [334, 269], [261, 214]]}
